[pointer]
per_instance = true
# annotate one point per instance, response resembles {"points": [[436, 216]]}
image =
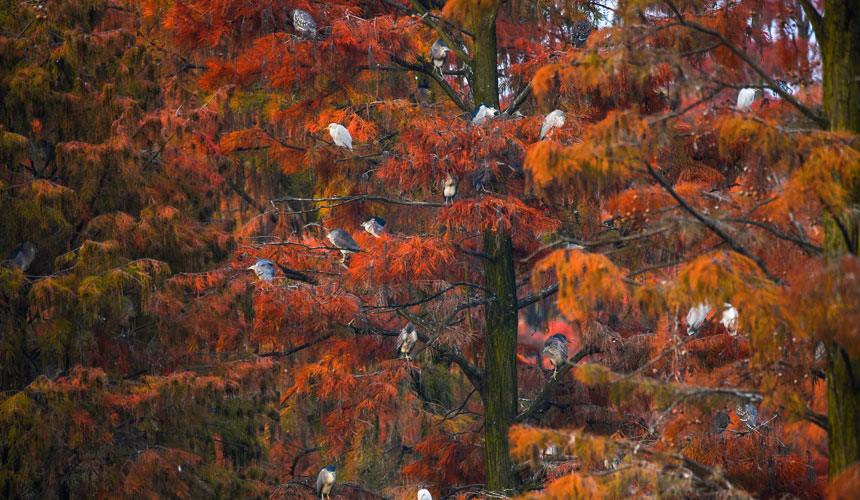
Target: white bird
{"points": [[696, 317], [482, 114], [449, 188], [374, 226], [343, 241], [340, 135], [439, 53], [264, 269], [325, 481], [406, 341], [552, 120], [730, 319], [23, 256], [304, 24], [746, 97], [424, 495]]}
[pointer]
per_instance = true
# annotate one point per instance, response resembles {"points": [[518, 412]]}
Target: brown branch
{"points": [[424, 67], [519, 100], [296, 275], [531, 299], [353, 199], [806, 245], [287, 352], [541, 398], [816, 19]]}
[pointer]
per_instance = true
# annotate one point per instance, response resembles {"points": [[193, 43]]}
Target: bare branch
{"points": [[538, 402]]}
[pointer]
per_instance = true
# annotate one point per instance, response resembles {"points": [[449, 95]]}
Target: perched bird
{"points": [[42, 153], [406, 341], [581, 31], [423, 90], [696, 317], [552, 120], [482, 114], [719, 423], [730, 319], [23, 256], [374, 226], [325, 481], [424, 495], [264, 269], [344, 242], [748, 415], [438, 54], [449, 188], [482, 177], [555, 349], [304, 24], [746, 97], [340, 135]]}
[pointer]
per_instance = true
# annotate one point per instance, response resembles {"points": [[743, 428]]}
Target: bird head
{"points": [[331, 126], [331, 469], [444, 46]]}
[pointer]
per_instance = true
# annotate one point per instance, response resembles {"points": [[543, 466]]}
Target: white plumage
{"points": [[304, 24], [696, 317], [340, 135], [374, 226], [552, 120], [424, 495], [264, 269], [746, 97], [730, 319], [406, 340], [23, 256], [325, 481], [482, 114], [449, 188]]}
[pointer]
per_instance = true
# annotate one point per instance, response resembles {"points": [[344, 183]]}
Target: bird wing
{"points": [[401, 339], [320, 482]]}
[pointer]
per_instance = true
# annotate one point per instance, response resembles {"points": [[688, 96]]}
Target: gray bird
{"points": [[581, 31], [325, 481], [449, 188], [304, 24], [344, 242], [482, 114], [748, 415], [552, 120], [482, 177], [23, 256], [374, 226], [423, 91], [406, 341], [439, 54], [264, 269], [555, 349], [719, 423]]}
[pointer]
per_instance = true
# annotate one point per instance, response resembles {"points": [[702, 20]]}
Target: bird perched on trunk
{"points": [[344, 242], [746, 97], [340, 135], [552, 120], [23, 256], [406, 341], [439, 54], [482, 114], [719, 423], [374, 226], [748, 414], [424, 495], [555, 348], [581, 31], [303, 24], [449, 188], [325, 481], [264, 269]]}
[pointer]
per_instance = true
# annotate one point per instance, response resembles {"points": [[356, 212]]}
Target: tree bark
{"points": [[499, 391], [486, 67], [838, 32]]}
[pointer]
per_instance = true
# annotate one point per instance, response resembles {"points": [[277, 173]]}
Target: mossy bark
{"points": [[499, 390], [839, 36], [486, 66]]}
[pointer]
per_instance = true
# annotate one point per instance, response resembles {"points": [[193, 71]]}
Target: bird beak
{"points": [[251, 268]]}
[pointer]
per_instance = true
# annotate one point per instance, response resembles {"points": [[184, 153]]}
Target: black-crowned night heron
{"points": [[552, 120], [264, 269], [23, 256], [424, 495], [449, 188], [555, 349], [746, 97], [344, 242], [438, 54], [340, 135], [748, 414], [696, 317], [730, 319], [482, 177], [325, 481], [406, 341], [374, 226], [304, 24], [482, 114], [581, 31], [719, 423]]}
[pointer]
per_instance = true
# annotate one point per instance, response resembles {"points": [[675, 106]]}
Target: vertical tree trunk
{"points": [[500, 362], [486, 66], [839, 36]]}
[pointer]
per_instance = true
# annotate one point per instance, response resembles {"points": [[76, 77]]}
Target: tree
{"points": [[190, 139]]}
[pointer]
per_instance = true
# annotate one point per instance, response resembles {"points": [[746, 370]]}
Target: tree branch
{"points": [[424, 67], [287, 352], [354, 199], [519, 100], [815, 19], [541, 398], [531, 299]]}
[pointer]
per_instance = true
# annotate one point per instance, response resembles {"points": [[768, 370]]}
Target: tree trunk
{"points": [[499, 391], [486, 66], [839, 36]]}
